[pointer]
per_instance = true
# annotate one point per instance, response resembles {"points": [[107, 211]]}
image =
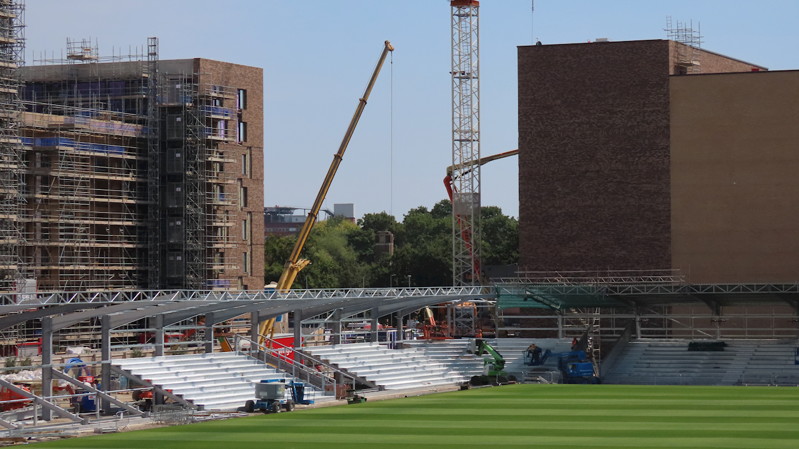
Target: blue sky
{"points": [[318, 55]]}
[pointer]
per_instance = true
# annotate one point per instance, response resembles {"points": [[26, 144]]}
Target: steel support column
{"points": [[637, 324], [297, 329], [47, 364], [336, 337], [159, 335], [105, 359], [209, 333], [399, 326], [373, 335], [255, 324]]}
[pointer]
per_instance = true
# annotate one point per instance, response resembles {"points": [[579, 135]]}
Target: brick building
{"points": [[142, 174], [636, 157]]}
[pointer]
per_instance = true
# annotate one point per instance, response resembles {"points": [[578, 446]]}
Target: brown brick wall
{"points": [[251, 79], [735, 192], [594, 159]]}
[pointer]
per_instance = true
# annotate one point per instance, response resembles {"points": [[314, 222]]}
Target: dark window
{"points": [[242, 131], [241, 99]]}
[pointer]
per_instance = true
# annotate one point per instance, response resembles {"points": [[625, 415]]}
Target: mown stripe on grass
{"points": [[556, 416]]}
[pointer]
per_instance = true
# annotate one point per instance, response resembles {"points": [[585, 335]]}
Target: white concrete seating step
{"points": [[218, 381], [742, 361], [389, 368]]}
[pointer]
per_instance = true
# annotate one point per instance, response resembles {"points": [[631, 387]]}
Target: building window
{"points": [[245, 262], [241, 99], [242, 196], [246, 227], [242, 137]]}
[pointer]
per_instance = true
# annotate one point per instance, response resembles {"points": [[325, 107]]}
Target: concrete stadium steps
{"points": [[670, 363], [217, 381], [456, 354], [390, 369], [772, 364]]}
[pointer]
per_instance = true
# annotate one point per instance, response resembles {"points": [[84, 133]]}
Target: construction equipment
{"points": [[574, 366], [453, 172], [82, 400], [493, 366], [270, 396], [294, 264], [433, 330]]}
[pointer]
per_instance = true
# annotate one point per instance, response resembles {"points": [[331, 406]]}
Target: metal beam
{"points": [[146, 311], [61, 322], [47, 362], [105, 396], [11, 302], [16, 318], [156, 388], [46, 405]]}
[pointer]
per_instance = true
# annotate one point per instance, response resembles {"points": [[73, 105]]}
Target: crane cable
{"points": [[391, 137]]}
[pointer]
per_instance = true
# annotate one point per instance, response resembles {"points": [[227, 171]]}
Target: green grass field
{"points": [[557, 416]]}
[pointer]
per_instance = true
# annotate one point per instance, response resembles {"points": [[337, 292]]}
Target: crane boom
{"points": [[482, 161], [449, 184], [294, 264]]}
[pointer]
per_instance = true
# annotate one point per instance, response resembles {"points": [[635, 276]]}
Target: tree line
{"points": [[343, 254]]}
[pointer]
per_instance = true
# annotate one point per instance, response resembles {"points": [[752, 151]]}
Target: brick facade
{"points": [[594, 156], [595, 162]]}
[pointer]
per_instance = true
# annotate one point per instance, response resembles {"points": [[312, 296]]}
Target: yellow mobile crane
{"points": [[294, 264]]}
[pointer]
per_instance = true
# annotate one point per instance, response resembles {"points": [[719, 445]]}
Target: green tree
{"points": [[334, 262], [424, 253], [342, 254], [277, 250], [499, 237]]}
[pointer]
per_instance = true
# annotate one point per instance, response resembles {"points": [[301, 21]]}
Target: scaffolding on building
{"points": [[83, 218], [129, 185], [11, 161], [198, 193], [689, 44], [154, 246]]}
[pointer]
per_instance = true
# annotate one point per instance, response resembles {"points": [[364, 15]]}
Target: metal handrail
{"points": [[299, 364]]}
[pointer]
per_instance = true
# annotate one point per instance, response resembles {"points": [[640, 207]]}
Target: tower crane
{"points": [[465, 73]]}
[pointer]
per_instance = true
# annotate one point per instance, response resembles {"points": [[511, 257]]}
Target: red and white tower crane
{"points": [[465, 141]]}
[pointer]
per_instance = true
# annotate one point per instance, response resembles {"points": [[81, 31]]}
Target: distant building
{"points": [[285, 220], [282, 221], [345, 210], [385, 243], [630, 159]]}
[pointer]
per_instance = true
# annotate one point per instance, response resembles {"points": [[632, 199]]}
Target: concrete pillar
{"points": [[47, 363], [297, 329], [560, 325], [105, 357], [159, 335]]}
